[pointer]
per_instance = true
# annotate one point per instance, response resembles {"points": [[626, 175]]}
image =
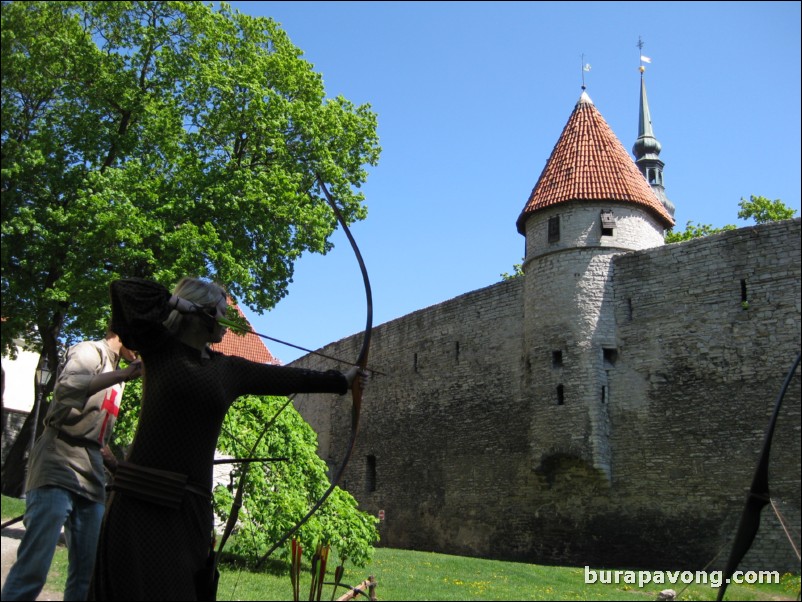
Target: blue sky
{"points": [[471, 98]]}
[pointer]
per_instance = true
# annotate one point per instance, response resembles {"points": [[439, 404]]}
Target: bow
{"points": [[759, 495], [356, 388]]}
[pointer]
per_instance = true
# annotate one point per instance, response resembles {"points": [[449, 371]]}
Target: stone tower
{"points": [[590, 203]]}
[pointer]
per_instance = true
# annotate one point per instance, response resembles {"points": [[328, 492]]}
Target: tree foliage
{"points": [[279, 494], [762, 210], [160, 139], [759, 208], [695, 231], [517, 270]]}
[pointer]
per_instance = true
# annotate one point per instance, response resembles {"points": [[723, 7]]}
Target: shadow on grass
{"points": [[271, 566]]}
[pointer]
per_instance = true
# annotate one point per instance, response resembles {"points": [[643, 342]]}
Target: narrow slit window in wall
{"points": [[370, 476], [744, 296], [610, 355], [557, 359], [607, 222], [415, 363], [560, 395], [554, 229], [604, 394]]}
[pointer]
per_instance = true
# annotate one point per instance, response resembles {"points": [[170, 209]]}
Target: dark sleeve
{"points": [[266, 379], [138, 309]]}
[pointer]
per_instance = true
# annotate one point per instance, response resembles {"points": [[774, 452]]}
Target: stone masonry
{"points": [[466, 455]]}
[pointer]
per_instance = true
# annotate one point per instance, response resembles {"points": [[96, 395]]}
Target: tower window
{"points": [[607, 223], [744, 299], [610, 356], [370, 476], [554, 228], [560, 395], [557, 359]]}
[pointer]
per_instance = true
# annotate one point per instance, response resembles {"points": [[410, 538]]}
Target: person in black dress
{"points": [[155, 540]]}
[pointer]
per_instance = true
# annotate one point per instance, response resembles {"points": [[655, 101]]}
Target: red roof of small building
{"points": [[248, 346], [590, 163]]}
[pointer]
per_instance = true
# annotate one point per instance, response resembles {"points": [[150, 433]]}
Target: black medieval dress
{"points": [[148, 551]]}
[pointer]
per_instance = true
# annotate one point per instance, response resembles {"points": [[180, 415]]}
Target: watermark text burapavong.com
{"points": [[644, 578]]}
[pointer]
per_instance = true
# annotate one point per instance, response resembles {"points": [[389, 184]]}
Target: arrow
{"points": [[234, 326]]}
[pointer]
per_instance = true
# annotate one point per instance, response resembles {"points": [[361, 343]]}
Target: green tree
{"points": [[517, 270], [279, 494], [762, 210], [159, 139], [759, 208], [695, 231]]}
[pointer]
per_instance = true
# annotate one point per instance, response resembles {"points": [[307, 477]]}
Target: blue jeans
{"points": [[47, 509]]}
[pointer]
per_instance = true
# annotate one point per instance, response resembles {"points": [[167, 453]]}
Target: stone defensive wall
{"points": [[451, 445]]}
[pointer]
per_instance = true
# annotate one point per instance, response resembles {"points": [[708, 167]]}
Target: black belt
{"points": [[160, 487]]}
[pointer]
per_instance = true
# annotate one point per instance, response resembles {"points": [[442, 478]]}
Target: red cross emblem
{"points": [[111, 405]]}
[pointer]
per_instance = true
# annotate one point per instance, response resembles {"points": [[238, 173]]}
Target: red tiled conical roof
{"points": [[590, 163], [248, 346]]}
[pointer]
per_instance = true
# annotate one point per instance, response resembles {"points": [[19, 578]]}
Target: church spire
{"points": [[646, 148]]}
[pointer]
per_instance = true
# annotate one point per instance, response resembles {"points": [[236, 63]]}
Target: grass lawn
{"points": [[405, 575]]}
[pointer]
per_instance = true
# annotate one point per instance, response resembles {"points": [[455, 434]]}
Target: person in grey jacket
{"points": [[66, 478]]}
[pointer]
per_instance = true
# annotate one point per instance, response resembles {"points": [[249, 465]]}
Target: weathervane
{"points": [[643, 59], [585, 67]]}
